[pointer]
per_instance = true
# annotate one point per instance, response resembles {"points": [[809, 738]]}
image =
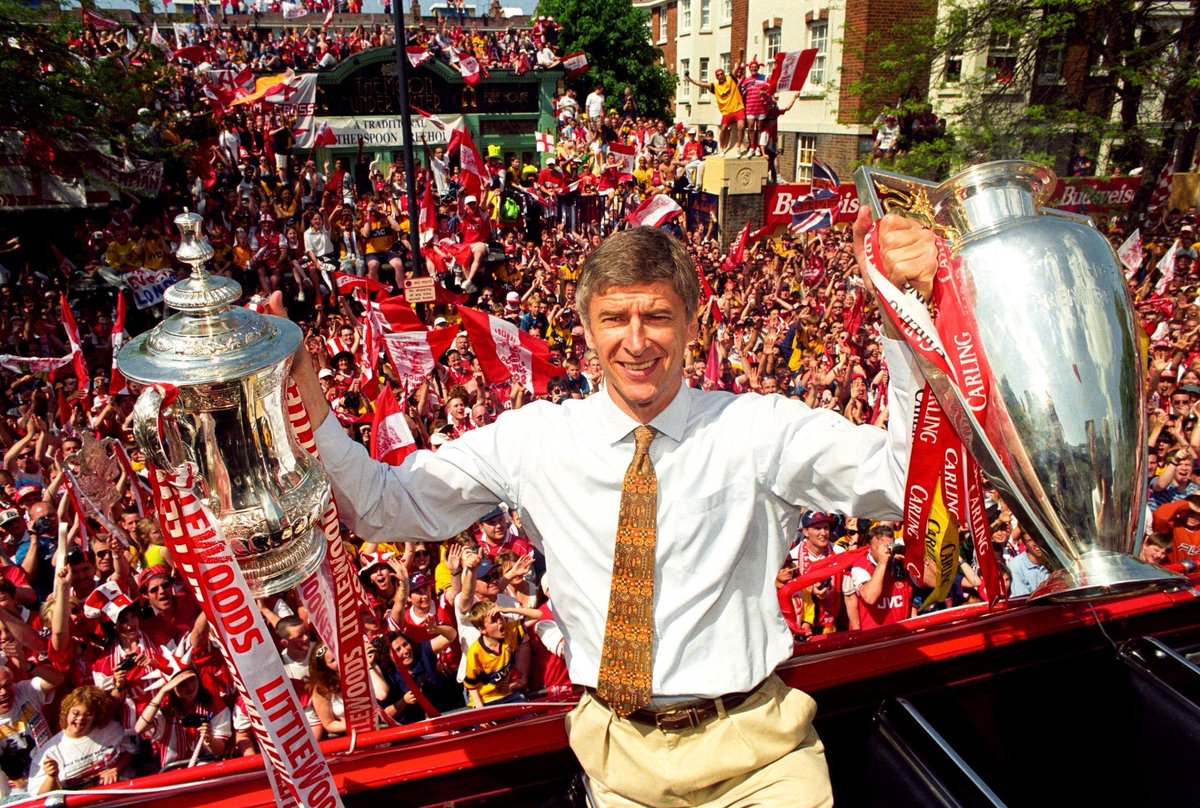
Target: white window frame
{"points": [[705, 96], [772, 44], [818, 37], [806, 147], [685, 66], [685, 16], [726, 64], [705, 15], [726, 11], [662, 23]]}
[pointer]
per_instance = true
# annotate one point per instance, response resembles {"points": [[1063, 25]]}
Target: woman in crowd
{"points": [[406, 680], [91, 749]]}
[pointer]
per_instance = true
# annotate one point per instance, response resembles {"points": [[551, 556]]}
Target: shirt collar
{"points": [[615, 425]]}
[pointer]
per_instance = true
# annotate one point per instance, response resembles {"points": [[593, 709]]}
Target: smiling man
{"points": [[665, 513]]}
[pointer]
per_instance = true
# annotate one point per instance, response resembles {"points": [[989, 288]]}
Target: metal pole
{"points": [[414, 233]]}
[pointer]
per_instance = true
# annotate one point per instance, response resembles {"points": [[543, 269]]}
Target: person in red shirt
{"points": [[476, 231], [883, 588], [1181, 521]]}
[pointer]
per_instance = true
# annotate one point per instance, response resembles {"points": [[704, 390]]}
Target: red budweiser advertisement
{"points": [[1091, 195]]}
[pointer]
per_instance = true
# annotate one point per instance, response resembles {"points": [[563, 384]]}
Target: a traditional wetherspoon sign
{"points": [[244, 504], [1032, 366]]}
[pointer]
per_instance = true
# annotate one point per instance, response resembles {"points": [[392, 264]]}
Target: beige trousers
{"points": [[763, 753]]}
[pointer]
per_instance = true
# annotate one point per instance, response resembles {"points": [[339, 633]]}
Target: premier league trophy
{"points": [[1064, 434], [230, 367]]}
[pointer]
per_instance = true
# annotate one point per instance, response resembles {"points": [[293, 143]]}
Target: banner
{"points": [[140, 176], [387, 132], [781, 199], [148, 285], [414, 354], [791, 69], [1093, 194], [292, 96], [34, 364]]}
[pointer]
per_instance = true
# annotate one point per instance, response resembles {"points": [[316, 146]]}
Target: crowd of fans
{"points": [[108, 667]]}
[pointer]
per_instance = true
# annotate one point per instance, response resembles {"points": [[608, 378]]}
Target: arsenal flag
{"points": [[737, 251], [81, 372], [628, 154], [391, 439], [576, 64], [1130, 253], [469, 66], [655, 211], [325, 135], [117, 384], [469, 158], [95, 19], [397, 314], [347, 283], [505, 352], [791, 70], [414, 354]]}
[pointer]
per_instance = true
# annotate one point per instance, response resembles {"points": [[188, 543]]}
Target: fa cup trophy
{"points": [[230, 367], [1063, 437]]}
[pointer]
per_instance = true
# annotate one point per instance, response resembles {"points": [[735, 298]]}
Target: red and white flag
{"points": [[65, 265], [576, 64], [391, 438], [469, 158], [347, 283], [72, 330], [791, 70], [628, 153], [469, 66], [160, 42], [328, 21], [292, 11], [325, 135], [394, 314], [1130, 253], [1162, 192], [417, 55], [656, 211], [106, 600], [544, 141], [506, 352], [95, 19], [1166, 265], [117, 384], [414, 354], [434, 120]]}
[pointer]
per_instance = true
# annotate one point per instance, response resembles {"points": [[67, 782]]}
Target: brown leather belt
{"points": [[684, 715]]}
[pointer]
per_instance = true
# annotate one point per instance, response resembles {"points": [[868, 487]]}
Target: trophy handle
{"points": [[146, 413]]}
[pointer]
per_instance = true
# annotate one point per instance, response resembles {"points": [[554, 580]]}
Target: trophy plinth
{"points": [[230, 366], [1063, 433]]}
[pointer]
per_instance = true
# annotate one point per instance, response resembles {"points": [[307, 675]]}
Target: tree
{"points": [[613, 35], [1051, 77]]}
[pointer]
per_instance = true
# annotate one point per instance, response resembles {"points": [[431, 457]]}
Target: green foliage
{"points": [[1056, 75], [52, 90], [613, 34]]}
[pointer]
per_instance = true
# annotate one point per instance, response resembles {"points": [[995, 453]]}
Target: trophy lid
{"points": [[209, 338]]}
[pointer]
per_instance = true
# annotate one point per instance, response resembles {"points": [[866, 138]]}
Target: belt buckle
{"points": [[669, 721]]}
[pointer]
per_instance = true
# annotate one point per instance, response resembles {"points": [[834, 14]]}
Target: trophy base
{"points": [[1105, 574], [285, 568]]}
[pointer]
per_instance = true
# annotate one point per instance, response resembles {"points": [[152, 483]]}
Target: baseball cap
{"points": [[8, 515], [550, 161], [469, 198], [816, 518], [418, 580], [483, 569], [325, 373], [440, 321], [151, 572], [438, 439], [493, 513], [26, 490]]}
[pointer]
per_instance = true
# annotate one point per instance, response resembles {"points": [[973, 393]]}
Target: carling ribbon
{"points": [[944, 488], [334, 596], [298, 771]]}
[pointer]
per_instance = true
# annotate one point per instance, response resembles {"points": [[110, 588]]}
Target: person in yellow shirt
{"points": [[733, 109], [491, 672]]}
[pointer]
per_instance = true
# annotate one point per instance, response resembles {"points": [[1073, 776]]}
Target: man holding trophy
{"points": [[701, 524]]}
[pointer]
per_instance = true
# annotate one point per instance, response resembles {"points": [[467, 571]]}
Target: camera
{"points": [[127, 663], [193, 720], [43, 526]]}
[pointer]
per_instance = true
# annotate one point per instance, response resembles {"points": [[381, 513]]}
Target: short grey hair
{"points": [[639, 255]]}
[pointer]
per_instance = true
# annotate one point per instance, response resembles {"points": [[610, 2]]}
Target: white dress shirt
{"points": [[733, 474]]}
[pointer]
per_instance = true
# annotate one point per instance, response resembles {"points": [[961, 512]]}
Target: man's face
{"points": [[161, 594], [1153, 554], [297, 643], [640, 333], [129, 522], [817, 536], [488, 586], [104, 558], [493, 529], [456, 408]]}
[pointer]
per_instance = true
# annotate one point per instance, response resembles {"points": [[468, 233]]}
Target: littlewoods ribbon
{"points": [[944, 489], [297, 770]]}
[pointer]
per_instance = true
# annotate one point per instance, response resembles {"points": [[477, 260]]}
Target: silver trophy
{"points": [[1064, 439], [230, 366]]}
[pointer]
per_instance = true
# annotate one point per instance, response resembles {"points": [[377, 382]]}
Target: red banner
{"points": [[778, 200]]}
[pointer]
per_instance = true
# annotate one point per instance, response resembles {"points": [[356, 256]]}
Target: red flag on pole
{"points": [[391, 438], [712, 367], [737, 251], [576, 64], [95, 19], [414, 354], [505, 352], [427, 218], [329, 15], [469, 158], [117, 384], [346, 283], [469, 66], [657, 210], [72, 330], [324, 135]]}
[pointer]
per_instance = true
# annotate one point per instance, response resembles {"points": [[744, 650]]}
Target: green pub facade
{"points": [[358, 98]]}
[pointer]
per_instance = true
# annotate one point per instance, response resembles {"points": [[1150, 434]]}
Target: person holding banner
{"points": [[657, 664]]}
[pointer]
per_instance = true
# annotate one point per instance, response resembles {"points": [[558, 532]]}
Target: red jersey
{"points": [[476, 228], [895, 602]]}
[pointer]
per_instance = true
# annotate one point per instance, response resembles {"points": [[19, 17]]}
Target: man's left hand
{"points": [[907, 249]]}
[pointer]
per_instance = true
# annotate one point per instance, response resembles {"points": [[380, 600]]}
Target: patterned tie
{"points": [[625, 660]]}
